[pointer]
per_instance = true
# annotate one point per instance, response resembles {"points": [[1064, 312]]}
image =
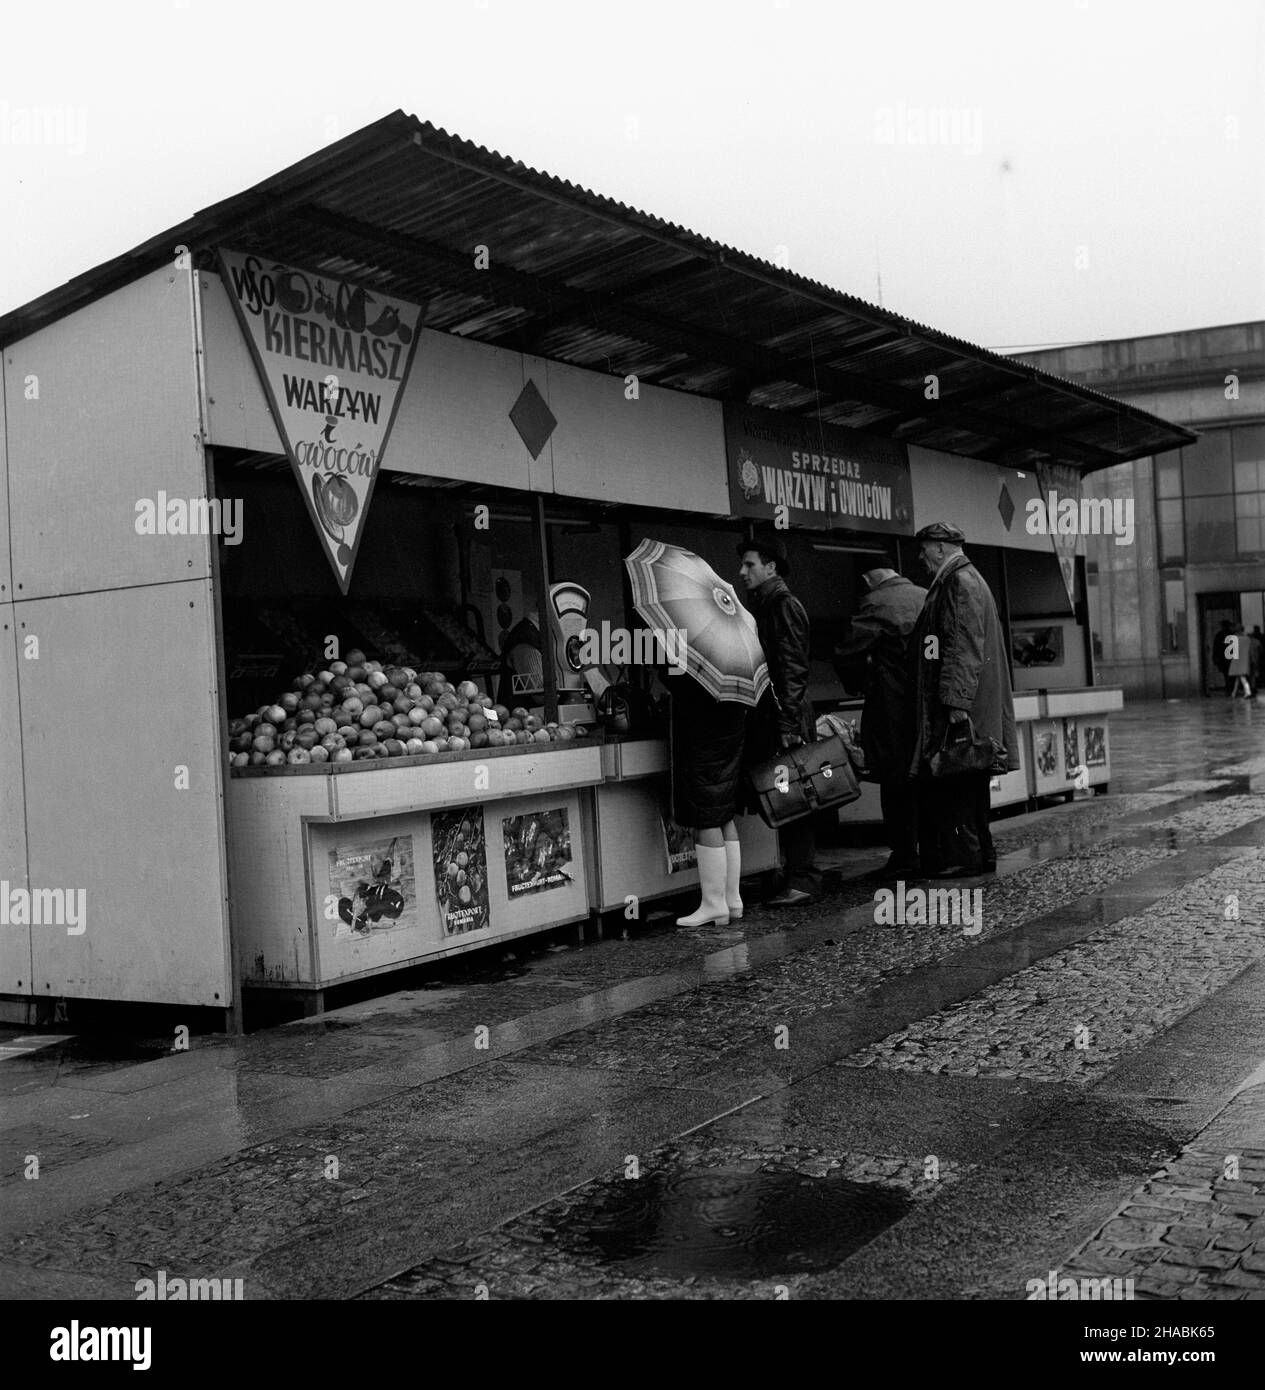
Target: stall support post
{"points": [[540, 556]]}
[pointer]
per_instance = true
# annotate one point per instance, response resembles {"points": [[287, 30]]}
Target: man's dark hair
{"points": [[768, 550]]}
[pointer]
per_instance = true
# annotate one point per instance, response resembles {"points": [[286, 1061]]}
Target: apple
{"points": [[276, 758], [366, 738], [306, 716], [353, 704], [339, 668], [478, 740], [333, 742], [394, 747], [402, 704], [432, 727], [241, 759], [388, 693], [520, 712], [542, 735], [495, 738], [257, 758], [441, 745], [355, 657], [380, 750], [298, 755], [363, 753], [349, 732], [384, 729], [413, 690], [343, 755], [289, 702], [417, 715], [369, 716], [306, 738], [415, 746], [320, 755], [325, 677], [356, 672], [262, 743], [429, 746], [468, 690], [325, 726]]}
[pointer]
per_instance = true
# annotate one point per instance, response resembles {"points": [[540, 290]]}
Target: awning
{"points": [[579, 278]]}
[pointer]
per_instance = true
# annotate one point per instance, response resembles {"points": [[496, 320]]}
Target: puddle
{"points": [[729, 1224]]}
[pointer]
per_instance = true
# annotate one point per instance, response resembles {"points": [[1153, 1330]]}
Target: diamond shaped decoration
{"points": [[533, 419], [1006, 506]]}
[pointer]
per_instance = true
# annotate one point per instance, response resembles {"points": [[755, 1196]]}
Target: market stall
{"points": [[311, 472]]}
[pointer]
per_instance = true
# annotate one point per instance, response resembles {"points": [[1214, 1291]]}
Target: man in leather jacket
{"points": [[787, 721]]}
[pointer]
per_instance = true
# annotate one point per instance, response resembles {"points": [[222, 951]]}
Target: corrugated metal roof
{"points": [[581, 279]]}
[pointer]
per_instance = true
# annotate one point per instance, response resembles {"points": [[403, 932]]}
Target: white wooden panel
{"points": [[15, 940], [6, 568], [124, 692], [387, 790], [666, 449], [1092, 699], [116, 421], [948, 487], [1027, 707], [267, 877], [237, 409]]}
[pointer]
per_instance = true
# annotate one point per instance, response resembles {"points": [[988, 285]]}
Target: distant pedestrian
{"points": [[1240, 664], [879, 637], [1221, 653], [784, 717], [1256, 651], [959, 671]]}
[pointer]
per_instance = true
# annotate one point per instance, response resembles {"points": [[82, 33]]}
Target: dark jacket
{"points": [[969, 672], [782, 623], [880, 638], [706, 748]]}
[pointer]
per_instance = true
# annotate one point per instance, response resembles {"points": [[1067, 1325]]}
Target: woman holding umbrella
{"points": [[720, 674]]}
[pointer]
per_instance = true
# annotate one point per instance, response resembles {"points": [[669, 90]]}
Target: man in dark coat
{"points": [[960, 671], [784, 717], [879, 638]]}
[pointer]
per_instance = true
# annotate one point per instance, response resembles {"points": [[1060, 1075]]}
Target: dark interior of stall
{"points": [[438, 589]]}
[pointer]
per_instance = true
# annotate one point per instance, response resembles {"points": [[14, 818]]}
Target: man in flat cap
{"points": [[959, 671]]}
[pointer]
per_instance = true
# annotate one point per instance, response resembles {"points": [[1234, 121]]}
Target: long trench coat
{"points": [[970, 670], [880, 632]]}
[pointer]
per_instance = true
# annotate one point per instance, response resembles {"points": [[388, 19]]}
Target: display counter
{"points": [[1064, 745], [340, 871]]}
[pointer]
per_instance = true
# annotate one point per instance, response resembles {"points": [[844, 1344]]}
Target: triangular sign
{"points": [[333, 358]]}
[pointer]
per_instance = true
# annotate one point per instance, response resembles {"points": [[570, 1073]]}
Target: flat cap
{"points": [[941, 531]]}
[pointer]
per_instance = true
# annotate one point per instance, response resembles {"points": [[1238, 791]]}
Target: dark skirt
{"points": [[706, 750]]}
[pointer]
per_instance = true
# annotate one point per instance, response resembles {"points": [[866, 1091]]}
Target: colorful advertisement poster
{"points": [[1071, 749], [333, 358], [537, 852], [1095, 745], [1045, 750], [375, 884], [678, 844], [459, 851], [800, 472]]}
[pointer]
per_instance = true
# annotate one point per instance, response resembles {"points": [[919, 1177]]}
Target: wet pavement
{"points": [[808, 1104]]}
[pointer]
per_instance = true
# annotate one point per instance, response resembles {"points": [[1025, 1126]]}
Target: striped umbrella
{"points": [[676, 592]]}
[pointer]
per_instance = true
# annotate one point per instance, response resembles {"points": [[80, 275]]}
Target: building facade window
{"points": [[1222, 482], [1168, 508]]}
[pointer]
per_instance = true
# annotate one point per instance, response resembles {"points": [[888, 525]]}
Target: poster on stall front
{"points": [[537, 852], [1095, 745], [374, 884], [333, 357], [1071, 749], [678, 843], [459, 851], [799, 472]]}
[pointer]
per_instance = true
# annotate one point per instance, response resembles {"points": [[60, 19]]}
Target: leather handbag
{"points": [[967, 752], [800, 781]]}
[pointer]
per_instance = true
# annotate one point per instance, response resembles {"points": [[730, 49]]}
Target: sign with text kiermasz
{"points": [[333, 358], [797, 472]]}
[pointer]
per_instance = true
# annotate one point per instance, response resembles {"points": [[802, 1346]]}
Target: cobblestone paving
{"points": [[673, 1037], [1190, 785], [1203, 823], [543, 1254], [1196, 1229], [1071, 1016]]}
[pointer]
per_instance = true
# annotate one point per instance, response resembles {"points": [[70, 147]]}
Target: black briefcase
{"points": [[800, 781]]}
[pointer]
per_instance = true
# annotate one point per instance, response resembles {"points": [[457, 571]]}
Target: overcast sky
{"points": [[1017, 173]]}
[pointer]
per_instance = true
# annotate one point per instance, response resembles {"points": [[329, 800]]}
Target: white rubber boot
{"points": [[711, 880], [733, 873]]}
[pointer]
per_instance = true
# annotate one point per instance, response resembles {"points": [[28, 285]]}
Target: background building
{"points": [[1199, 550]]}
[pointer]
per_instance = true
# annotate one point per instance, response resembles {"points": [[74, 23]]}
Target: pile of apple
{"points": [[357, 709]]}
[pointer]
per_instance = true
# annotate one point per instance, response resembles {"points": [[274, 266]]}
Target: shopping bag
{"points": [[966, 752]]}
